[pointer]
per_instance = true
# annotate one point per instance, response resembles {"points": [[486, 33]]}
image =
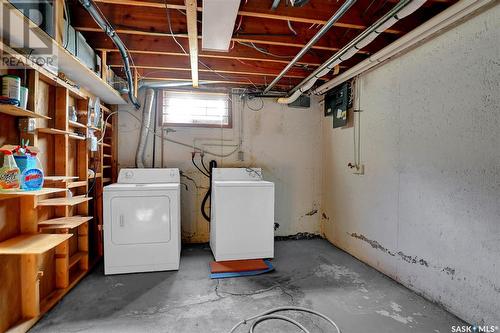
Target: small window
{"points": [[195, 109]]}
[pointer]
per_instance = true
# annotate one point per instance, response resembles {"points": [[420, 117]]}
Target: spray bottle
{"points": [[9, 172]]}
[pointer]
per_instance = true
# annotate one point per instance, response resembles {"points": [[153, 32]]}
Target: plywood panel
{"points": [[47, 281], [10, 291], [9, 218]]}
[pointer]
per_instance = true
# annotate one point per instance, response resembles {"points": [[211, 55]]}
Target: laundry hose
{"points": [[213, 164], [268, 315]]}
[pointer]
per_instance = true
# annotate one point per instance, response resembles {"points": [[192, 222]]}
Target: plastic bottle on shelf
{"points": [[32, 177], [9, 172]]}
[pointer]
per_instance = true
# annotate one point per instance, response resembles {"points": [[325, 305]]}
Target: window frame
{"points": [[195, 125]]}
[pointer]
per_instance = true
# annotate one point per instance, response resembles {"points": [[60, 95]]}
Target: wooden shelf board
{"points": [[105, 109], [54, 131], [60, 178], [106, 166], [73, 201], [69, 222], [32, 244], [106, 180], [17, 193], [77, 137], [105, 144], [19, 112], [107, 155], [81, 183], [94, 128], [76, 124], [75, 258]]}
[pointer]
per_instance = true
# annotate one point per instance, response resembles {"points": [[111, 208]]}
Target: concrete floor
{"points": [[309, 273]]}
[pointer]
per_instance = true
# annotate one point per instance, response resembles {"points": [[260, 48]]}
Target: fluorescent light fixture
{"points": [[218, 21]]}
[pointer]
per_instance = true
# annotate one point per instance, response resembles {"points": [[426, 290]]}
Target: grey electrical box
{"points": [[337, 102]]}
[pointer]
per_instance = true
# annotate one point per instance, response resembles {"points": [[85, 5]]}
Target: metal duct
{"points": [[313, 41], [108, 29], [145, 125]]}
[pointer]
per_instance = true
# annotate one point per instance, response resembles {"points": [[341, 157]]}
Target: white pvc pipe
{"points": [[430, 29]]}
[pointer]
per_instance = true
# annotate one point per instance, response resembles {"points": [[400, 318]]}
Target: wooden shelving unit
{"points": [[49, 238]]}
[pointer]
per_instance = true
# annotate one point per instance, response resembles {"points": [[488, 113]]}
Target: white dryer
{"points": [[142, 230], [242, 214]]}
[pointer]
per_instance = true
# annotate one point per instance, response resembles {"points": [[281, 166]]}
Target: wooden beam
{"points": [[208, 71], [235, 39], [192, 28], [270, 16]]}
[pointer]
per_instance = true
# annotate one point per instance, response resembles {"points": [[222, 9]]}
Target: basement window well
{"points": [[195, 109]]}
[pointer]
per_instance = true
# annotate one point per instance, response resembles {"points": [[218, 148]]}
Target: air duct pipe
{"points": [[400, 10], [108, 29], [147, 109], [313, 41]]}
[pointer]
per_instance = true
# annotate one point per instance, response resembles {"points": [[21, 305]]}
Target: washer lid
{"points": [[238, 183]]}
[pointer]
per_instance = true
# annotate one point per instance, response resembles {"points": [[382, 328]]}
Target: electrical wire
{"points": [[154, 132], [268, 315], [264, 51], [203, 162], [197, 167], [245, 102], [291, 28]]}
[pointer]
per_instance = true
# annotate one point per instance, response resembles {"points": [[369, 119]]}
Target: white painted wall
{"points": [[427, 211], [285, 142]]}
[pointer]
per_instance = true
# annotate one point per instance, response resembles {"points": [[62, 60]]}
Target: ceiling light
{"points": [[219, 17]]}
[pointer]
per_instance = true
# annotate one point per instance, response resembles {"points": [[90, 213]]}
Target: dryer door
{"points": [[141, 220]]}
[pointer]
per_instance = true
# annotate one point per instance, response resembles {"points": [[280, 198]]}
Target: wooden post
{"points": [[61, 141], [62, 263], [83, 245], [30, 295], [28, 215], [191, 15]]}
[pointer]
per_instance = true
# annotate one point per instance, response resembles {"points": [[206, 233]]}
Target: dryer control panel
{"points": [[149, 176]]}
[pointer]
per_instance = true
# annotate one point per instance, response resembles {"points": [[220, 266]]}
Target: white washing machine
{"points": [[142, 230], [242, 214]]}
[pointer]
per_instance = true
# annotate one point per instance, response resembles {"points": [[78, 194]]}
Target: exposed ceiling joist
{"points": [[222, 56], [271, 16], [208, 71], [235, 39], [192, 28]]}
